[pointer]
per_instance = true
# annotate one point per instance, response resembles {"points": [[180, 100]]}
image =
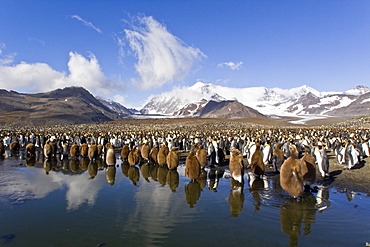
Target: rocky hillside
{"points": [[71, 105], [219, 109]]}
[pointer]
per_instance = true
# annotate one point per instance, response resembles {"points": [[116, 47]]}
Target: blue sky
{"points": [[129, 50]]}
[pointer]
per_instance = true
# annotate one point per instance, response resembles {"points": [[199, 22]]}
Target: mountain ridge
{"points": [[302, 100]]}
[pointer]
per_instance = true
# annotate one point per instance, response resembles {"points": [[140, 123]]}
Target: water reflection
{"points": [[153, 193], [298, 213], [213, 177], [236, 198], [110, 174], [92, 169], [134, 174], [192, 192], [173, 179]]}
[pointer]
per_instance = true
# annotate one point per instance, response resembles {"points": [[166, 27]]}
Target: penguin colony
{"points": [[297, 155]]}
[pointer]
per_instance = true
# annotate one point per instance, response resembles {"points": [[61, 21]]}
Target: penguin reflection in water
{"points": [[192, 192], [294, 213], [236, 198]]}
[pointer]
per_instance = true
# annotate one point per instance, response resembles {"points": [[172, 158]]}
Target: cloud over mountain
{"points": [[36, 77], [161, 56]]}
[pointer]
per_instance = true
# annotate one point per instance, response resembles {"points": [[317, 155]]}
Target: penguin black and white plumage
{"points": [[267, 153], [308, 168], [277, 157], [250, 149], [365, 148], [339, 150], [322, 160], [290, 174], [350, 156], [256, 164]]}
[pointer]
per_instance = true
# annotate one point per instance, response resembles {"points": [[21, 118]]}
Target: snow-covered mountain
{"points": [[115, 106], [302, 100]]}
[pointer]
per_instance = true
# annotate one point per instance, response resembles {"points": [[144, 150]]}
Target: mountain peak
{"points": [[358, 90], [198, 85]]}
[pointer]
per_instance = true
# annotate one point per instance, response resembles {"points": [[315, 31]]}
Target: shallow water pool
{"points": [[78, 203]]}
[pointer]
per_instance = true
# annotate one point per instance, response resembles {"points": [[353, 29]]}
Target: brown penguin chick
{"points": [[14, 146], [236, 165], [153, 154], [134, 156], [202, 156], [257, 166], [74, 151], [162, 155], [47, 150], [144, 150], [93, 152], [65, 152], [110, 159], [125, 151], [290, 174], [2, 148], [308, 168], [192, 166], [31, 149], [53, 145], [100, 150], [172, 159], [278, 157], [84, 150]]}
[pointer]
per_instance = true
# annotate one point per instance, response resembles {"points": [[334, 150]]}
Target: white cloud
{"points": [[40, 77], [120, 99], [5, 59], [37, 41], [162, 57], [87, 23], [231, 65]]}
